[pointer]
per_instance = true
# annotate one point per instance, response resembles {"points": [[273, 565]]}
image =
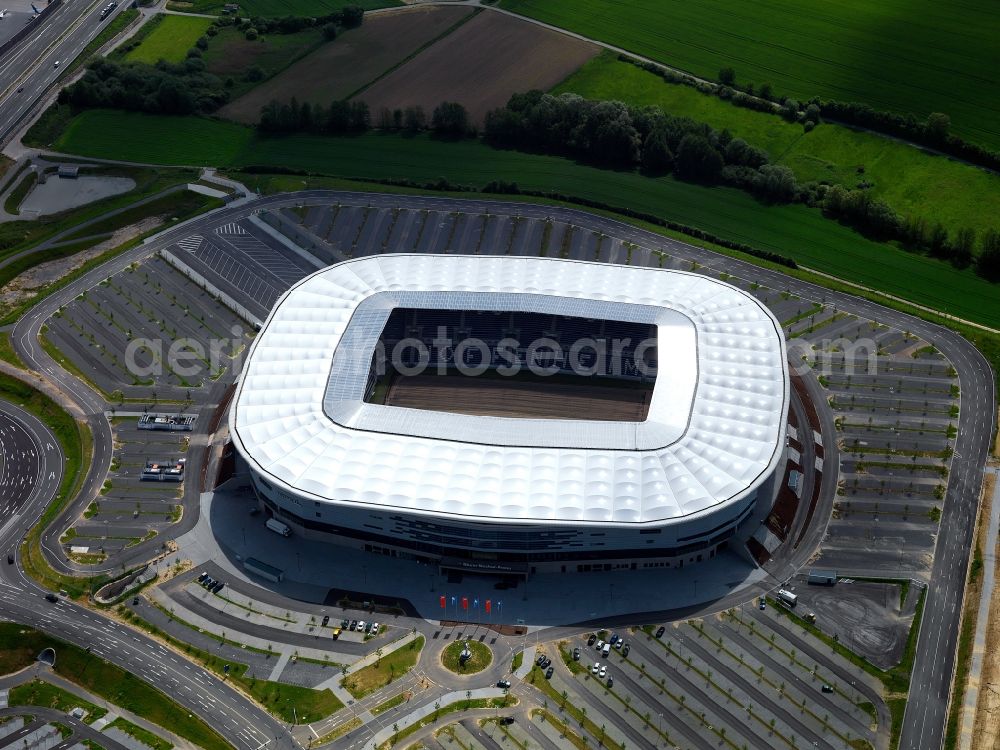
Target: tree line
{"points": [[932, 132], [448, 119], [614, 134]]}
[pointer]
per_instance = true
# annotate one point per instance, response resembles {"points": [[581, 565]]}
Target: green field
{"points": [[170, 40], [900, 55], [276, 8], [793, 230], [910, 180]]}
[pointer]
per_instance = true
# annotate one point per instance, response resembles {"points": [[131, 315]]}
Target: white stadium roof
{"points": [[714, 430]]}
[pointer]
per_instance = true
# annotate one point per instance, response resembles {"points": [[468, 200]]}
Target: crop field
{"points": [[340, 68], [912, 181], [480, 65], [794, 230], [230, 54], [170, 40], [897, 55], [276, 8]]}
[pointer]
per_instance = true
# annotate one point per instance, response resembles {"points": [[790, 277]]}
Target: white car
{"points": [[599, 645], [375, 627], [596, 668], [603, 672], [361, 626]]}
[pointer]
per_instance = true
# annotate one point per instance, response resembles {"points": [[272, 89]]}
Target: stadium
{"points": [[508, 415]]}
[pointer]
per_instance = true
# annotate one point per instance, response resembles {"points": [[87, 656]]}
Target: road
{"points": [[934, 665], [239, 720], [31, 65]]}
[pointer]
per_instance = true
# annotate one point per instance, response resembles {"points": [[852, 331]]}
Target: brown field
{"points": [[340, 68], [510, 397], [480, 65]]}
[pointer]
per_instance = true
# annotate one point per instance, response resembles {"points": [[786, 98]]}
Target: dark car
{"points": [[51, 597], [592, 640], [354, 624], [540, 661], [546, 662], [217, 587], [326, 619], [763, 603], [548, 673], [202, 577], [506, 721], [135, 601], [345, 624], [505, 684], [660, 631], [576, 654], [625, 649], [611, 681], [10, 558], [827, 688]]}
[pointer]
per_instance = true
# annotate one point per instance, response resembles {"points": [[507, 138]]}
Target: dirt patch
{"points": [[986, 730], [357, 57], [480, 65], [27, 285]]}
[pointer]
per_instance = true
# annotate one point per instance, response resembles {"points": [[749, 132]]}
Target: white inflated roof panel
{"points": [[713, 432]]}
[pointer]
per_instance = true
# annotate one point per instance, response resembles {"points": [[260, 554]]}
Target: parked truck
{"points": [[278, 527], [788, 597]]}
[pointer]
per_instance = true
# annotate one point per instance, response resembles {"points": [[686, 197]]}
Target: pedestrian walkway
{"points": [[181, 612], [979, 645], [527, 662]]}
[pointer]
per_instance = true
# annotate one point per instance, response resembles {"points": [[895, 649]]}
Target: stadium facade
{"points": [[514, 495]]}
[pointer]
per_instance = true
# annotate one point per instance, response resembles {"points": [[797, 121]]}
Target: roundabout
{"points": [[466, 657]]}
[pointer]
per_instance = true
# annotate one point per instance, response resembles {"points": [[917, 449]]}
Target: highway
{"points": [[931, 683], [31, 65]]}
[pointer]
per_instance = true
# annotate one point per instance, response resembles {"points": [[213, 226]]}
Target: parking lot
{"points": [[158, 311], [130, 509]]}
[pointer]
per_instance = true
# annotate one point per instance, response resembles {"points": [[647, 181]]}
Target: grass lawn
{"points": [[13, 203], [39, 693], [272, 8], [481, 657], [143, 735], [796, 231], [934, 57], [292, 703], [910, 180], [394, 664], [170, 39]]}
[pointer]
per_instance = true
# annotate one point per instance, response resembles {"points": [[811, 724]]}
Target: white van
{"points": [[278, 527], [606, 650]]}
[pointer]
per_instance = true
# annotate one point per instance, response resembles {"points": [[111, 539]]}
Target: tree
{"points": [[450, 118], [656, 155], [351, 16], [250, 34], [697, 160], [965, 240], [937, 126], [330, 31], [414, 119], [727, 76], [988, 260], [776, 182]]}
